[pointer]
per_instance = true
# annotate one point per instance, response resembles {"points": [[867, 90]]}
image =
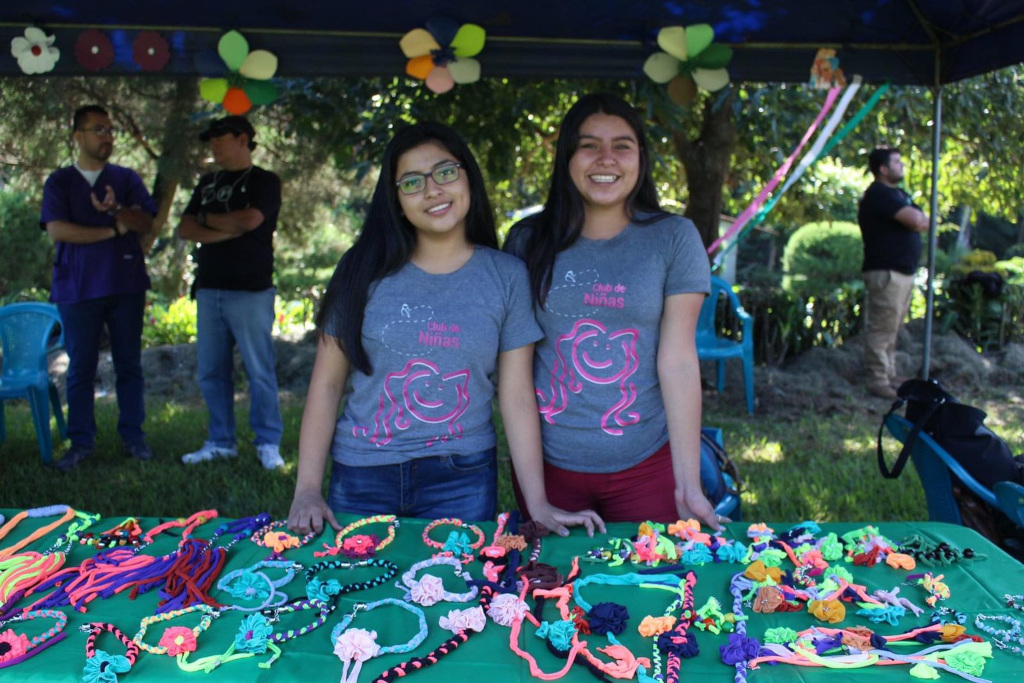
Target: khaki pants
{"points": [[888, 301]]}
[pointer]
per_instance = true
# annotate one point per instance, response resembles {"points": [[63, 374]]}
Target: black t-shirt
{"points": [[247, 261], [888, 244]]}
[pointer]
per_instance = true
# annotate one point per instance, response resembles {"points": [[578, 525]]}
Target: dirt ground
{"points": [[825, 381]]}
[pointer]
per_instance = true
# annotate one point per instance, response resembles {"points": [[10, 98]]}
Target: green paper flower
{"points": [[248, 85], [690, 60]]}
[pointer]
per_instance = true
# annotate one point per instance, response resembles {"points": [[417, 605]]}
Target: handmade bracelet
{"points": [[327, 591], [361, 545], [430, 589], [457, 544], [278, 541], [101, 666], [176, 640], [1014, 602], [127, 532], [252, 584], [357, 645], [323, 610], [15, 648], [253, 638]]}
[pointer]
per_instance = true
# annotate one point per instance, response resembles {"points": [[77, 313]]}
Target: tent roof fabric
{"points": [[925, 42]]}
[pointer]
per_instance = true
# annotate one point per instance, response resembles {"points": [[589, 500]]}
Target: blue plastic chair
{"points": [[713, 346], [26, 331], [723, 493], [935, 466]]}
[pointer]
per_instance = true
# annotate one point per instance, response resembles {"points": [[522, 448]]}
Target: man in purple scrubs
{"points": [[96, 213]]}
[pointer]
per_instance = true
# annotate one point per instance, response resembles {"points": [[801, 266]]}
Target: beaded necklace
{"points": [[361, 545], [356, 645], [101, 666], [1010, 639], [457, 544], [15, 648], [430, 590]]}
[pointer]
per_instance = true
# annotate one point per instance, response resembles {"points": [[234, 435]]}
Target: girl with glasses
{"points": [[617, 285], [420, 316]]}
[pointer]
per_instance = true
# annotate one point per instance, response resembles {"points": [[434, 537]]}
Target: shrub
{"points": [[820, 257], [26, 253], [170, 324]]}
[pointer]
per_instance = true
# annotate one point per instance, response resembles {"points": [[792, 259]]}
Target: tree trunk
{"points": [[706, 161]]}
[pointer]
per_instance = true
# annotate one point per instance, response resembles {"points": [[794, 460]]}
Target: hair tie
{"points": [[430, 589], [101, 666], [361, 546], [20, 647]]}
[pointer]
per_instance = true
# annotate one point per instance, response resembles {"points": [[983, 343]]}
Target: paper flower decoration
{"points": [[150, 51], [93, 50], [441, 54], [35, 52], [690, 60], [247, 85], [825, 71]]}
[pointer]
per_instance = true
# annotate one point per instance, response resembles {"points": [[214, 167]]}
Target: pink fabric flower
{"points": [[12, 645], [356, 645], [470, 619], [507, 608], [428, 591], [178, 640]]}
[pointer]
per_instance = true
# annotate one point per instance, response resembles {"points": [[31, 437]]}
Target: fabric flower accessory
{"points": [[93, 50], [12, 645], [247, 85], [103, 667], [442, 53], [151, 51], [355, 646], [427, 591], [507, 608], [690, 60], [470, 619], [178, 640], [279, 541], [35, 52]]}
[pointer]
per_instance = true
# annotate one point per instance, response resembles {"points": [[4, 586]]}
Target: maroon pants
{"points": [[643, 492]]}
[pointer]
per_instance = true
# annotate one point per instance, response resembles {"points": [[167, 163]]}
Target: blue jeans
{"points": [[226, 318], [463, 486], [83, 325]]}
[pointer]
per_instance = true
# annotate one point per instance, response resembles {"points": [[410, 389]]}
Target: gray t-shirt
{"points": [[595, 371], [434, 342]]}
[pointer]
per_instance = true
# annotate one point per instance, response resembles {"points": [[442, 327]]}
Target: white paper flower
{"points": [[35, 52]]}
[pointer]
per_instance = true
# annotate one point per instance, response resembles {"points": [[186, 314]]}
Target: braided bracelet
{"points": [[323, 608], [278, 541], [357, 645], [101, 666], [361, 545], [327, 591], [457, 544], [252, 584], [430, 589], [15, 648], [176, 640]]}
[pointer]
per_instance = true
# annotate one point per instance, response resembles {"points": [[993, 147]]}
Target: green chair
{"points": [[27, 333]]}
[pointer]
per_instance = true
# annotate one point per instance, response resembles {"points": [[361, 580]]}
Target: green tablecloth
{"points": [[975, 587]]}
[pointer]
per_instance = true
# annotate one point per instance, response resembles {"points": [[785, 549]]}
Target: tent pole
{"points": [[932, 229]]}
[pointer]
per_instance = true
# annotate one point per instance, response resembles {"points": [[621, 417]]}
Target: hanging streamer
{"points": [[835, 140], [749, 212]]}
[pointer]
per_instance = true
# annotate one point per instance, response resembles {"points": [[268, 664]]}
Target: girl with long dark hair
{"points": [[617, 284], [420, 315]]}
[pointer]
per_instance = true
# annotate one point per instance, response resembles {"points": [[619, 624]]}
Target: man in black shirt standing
{"points": [[233, 215], [891, 225]]}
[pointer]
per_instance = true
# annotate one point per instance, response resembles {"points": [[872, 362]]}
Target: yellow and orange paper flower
{"points": [[442, 53]]}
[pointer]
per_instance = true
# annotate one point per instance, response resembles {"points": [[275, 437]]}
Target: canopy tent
{"points": [[919, 42], [925, 42]]}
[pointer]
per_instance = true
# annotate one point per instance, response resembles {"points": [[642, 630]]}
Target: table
{"points": [[976, 587]]}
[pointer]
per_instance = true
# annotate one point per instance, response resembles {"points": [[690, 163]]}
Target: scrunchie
{"points": [[470, 619], [608, 617], [767, 600], [506, 608], [558, 633], [685, 646], [831, 611], [739, 649], [427, 591], [780, 635]]}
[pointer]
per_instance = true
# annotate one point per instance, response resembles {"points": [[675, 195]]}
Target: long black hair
{"points": [[387, 239], [560, 224]]}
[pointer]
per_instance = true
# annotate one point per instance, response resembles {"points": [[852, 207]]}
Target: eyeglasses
{"points": [[414, 183], [100, 131]]}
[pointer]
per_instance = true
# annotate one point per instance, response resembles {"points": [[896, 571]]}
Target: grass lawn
{"points": [[795, 467]]}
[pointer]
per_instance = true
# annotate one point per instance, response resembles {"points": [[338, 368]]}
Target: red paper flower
{"points": [[94, 51], [150, 51]]}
